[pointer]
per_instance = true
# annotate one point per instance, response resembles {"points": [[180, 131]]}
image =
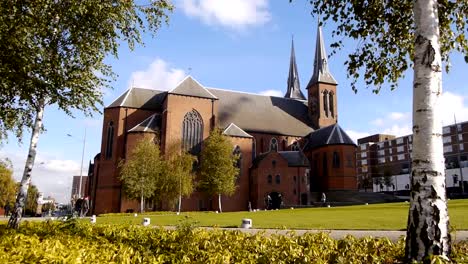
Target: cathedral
{"points": [[291, 148]]}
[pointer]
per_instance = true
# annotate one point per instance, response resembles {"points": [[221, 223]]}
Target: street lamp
{"points": [[81, 167]]}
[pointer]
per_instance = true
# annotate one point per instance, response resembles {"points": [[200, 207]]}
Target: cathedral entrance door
{"points": [[276, 200]]}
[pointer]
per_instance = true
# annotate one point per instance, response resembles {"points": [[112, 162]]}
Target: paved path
{"points": [[335, 234]]}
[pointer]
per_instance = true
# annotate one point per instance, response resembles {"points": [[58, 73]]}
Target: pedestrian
{"points": [[324, 199], [84, 207], [78, 205], [7, 209]]}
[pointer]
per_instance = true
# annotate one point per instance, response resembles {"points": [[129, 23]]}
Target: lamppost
{"points": [[81, 167]]}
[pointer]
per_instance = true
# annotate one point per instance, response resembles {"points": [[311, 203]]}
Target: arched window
{"points": [[332, 106], [270, 179], [295, 146], [336, 160], [110, 140], [325, 102], [192, 132], [273, 144], [278, 179], [254, 149], [237, 151]]}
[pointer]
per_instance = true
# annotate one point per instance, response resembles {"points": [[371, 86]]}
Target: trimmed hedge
{"points": [[78, 242]]}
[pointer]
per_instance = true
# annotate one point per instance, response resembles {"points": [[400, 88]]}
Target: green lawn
{"points": [[391, 216]]}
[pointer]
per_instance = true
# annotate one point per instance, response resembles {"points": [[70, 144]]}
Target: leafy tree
{"points": [[53, 54], [218, 172], [178, 173], [7, 184], [31, 201], [141, 171], [394, 36], [48, 206]]}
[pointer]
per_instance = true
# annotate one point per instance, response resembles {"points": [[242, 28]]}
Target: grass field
{"points": [[391, 216]]}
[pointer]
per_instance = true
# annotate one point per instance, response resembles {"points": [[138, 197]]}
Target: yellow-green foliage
{"points": [[77, 242]]}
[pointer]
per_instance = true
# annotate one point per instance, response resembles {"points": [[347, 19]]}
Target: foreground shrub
{"points": [[77, 242]]}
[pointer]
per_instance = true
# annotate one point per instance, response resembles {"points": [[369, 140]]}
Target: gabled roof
{"points": [[190, 87], [330, 135], [295, 158], [140, 98], [235, 131], [294, 89], [260, 113], [151, 124], [321, 72]]}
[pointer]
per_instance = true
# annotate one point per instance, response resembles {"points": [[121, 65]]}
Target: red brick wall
{"points": [[319, 118]]}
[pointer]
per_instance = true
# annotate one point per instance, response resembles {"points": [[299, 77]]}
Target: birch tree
{"points": [[179, 173], [141, 172], [392, 37], [218, 172], [53, 54]]}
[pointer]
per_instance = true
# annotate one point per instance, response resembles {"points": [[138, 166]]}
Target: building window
{"points": [[400, 149], [381, 152], [410, 138], [363, 154], [325, 102], [336, 160], [330, 99], [390, 158], [278, 179], [237, 151], [460, 137], [295, 146], [273, 144], [447, 139], [363, 146], [380, 145], [363, 162], [110, 140], [448, 148], [459, 127], [192, 132], [254, 150], [269, 179], [381, 160], [462, 147], [401, 156], [399, 141], [273, 163], [446, 130], [364, 169]]}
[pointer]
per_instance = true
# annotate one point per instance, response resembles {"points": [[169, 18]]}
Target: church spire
{"points": [[321, 72], [294, 89]]}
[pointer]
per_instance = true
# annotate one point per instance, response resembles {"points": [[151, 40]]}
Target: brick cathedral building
{"points": [[292, 148]]}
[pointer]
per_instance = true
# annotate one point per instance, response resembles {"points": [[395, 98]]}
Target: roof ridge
{"points": [[330, 135], [243, 92]]}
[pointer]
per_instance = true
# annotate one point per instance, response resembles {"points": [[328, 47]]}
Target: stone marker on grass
{"points": [[93, 219], [146, 221], [246, 223]]}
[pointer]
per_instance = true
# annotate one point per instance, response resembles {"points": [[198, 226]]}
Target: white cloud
{"points": [[355, 135], [453, 104], [52, 176], [158, 76], [276, 93], [234, 14]]}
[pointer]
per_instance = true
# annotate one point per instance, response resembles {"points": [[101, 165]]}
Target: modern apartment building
{"points": [[384, 161]]}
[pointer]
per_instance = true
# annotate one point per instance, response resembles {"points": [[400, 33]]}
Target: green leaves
{"points": [[7, 184], [217, 171], [75, 242], [55, 50]]}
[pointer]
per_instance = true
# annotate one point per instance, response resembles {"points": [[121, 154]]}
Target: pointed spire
{"points": [[321, 72], [294, 89]]}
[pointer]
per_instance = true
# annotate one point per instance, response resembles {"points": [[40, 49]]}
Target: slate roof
{"points": [[140, 98], [330, 135], [294, 158], [260, 113], [190, 87], [235, 131], [321, 72], [151, 124], [294, 88]]}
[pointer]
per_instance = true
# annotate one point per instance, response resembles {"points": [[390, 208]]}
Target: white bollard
{"points": [[93, 219], [246, 223], [146, 222], [135, 215], [328, 206]]}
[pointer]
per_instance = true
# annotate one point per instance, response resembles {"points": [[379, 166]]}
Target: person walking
{"points": [[324, 199], [84, 207]]}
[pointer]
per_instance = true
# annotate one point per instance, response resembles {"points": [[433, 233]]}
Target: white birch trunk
{"points": [[219, 203], [428, 221], [26, 179], [180, 203], [142, 203]]}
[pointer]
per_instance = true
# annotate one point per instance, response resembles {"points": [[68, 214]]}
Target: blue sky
{"points": [[241, 45]]}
